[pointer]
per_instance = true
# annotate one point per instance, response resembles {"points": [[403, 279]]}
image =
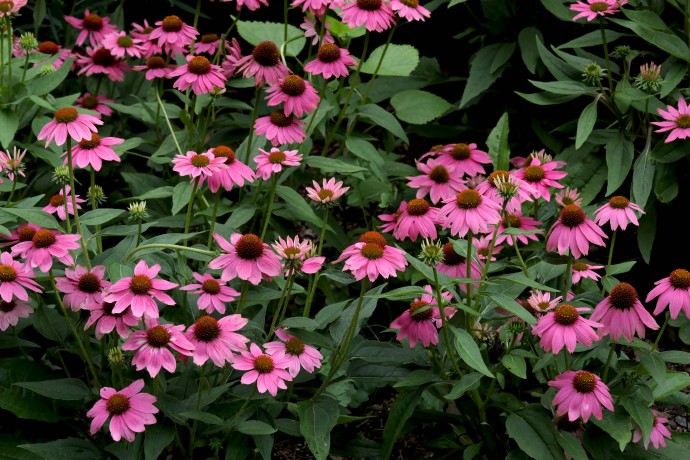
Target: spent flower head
{"points": [[96, 193], [593, 73], [61, 175], [115, 357], [432, 252], [507, 186], [622, 51]]}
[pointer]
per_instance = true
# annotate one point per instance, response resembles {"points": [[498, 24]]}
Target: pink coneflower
{"points": [[519, 222], [129, 411], [371, 257], [540, 302], [13, 163], [95, 103], [11, 8], [121, 44], [673, 292], [139, 291], [51, 48], [196, 165], [269, 163], [315, 7], [83, 288], [617, 212], [622, 314], [418, 219], [173, 35], [101, 61], [331, 61], [311, 31], [15, 279], [422, 326], [94, 151], [149, 46], [467, 212], [199, 74], [410, 10], [677, 121], [375, 15], [23, 232], [568, 196], [455, 265], [541, 175], [280, 129], [328, 193], [234, 174], [246, 257], [594, 8], [214, 294], [268, 371], [216, 339], [296, 352], [252, 5], [297, 95], [232, 57], [390, 221], [67, 121], [574, 231], [292, 248], [209, 43], [45, 245], [151, 346], [93, 27], [439, 180], [156, 67], [11, 311], [263, 64], [565, 327], [483, 244], [658, 433], [467, 159], [581, 394], [582, 270], [489, 188], [106, 321], [62, 204]]}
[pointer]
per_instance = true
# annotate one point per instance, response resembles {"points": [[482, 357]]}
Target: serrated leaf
{"points": [[419, 107], [399, 60]]}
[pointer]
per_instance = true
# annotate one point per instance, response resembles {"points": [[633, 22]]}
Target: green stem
{"points": [[370, 83], [605, 372], [14, 186], [213, 220], [568, 276], [167, 121], [468, 261], [10, 46], [610, 259], [565, 358], [661, 332], [269, 205], [68, 225], [190, 207], [138, 231], [285, 20], [241, 410], [444, 327], [26, 64], [323, 230], [192, 434], [243, 295], [606, 53], [85, 250], [283, 302], [251, 126], [94, 206], [314, 281]]}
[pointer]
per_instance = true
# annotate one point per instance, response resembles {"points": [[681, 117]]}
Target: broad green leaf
{"points": [[481, 77], [515, 364], [402, 293], [467, 382], [676, 356], [591, 39], [528, 47], [643, 178], [384, 119], [317, 419], [655, 365], [332, 165], [546, 98], [181, 196], [300, 208], [100, 216], [617, 425], [419, 107], [665, 41], [642, 415], [620, 153], [399, 60], [586, 122], [534, 433], [257, 31], [156, 438], [9, 122], [512, 306], [675, 381], [416, 378], [46, 83], [574, 88], [205, 417], [572, 445], [63, 389], [64, 449], [400, 411], [469, 351], [255, 427], [499, 151], [558, 9], [34, 215]]}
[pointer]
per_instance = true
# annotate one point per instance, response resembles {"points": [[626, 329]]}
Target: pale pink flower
{"points": [[622, 314], [580, 395], [574, 231], [45, 245], [200, 165], [232, 57], [96, 104], [439, 180], [263, 64], [292, 248], [139, 291], [151, 346], [129, 410], [540, 302], [246, 257], [173, 35], [199, 74], [297, 95], [121, 44], [659, 432], [565, 327], [582, 270], [568, 196], [488, 188], [156, 67], [62, 205], [390, 221], [482, 244], [466, 159], [94, 151], [417, 219], [268, 371], [296, 352], [422, 326], [142, 32], [328, 193], [269, 163], [410, 10], [467, 212], [311, 31], [677, 121], [315, 7], [375, 15], [280, 129], [12, 163], [311, 265], [455, 266], [618, 212], [11, 311], [252, 5], [93, 27], [83, 288], [595, 8], [234, 174], [67, 121], [541, 175], [100, 61], [517, 221], [209, 43], [331, 61], [214, 294], [15, 279], [216, 339], [371, 257], [673, 292], [106, 321]]}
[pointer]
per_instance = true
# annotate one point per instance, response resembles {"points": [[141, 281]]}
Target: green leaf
{"points": [[642, 415], [515, 364], [400, 61], [558, 9], [617, 425], [574, 88], [416, 378], [255, 427], [46, 83], [528, 47], [64, 449], [401, 410], [300, 209], [331, 165], [586, 122], [402, 293], [620, 153], [384, 119], [655, 365], [419, 107], [481, 77], [63, 389], [156, 438], [9, 122], [100, 216], [643, 178], [34, 215], [257, 31], [571, 445], [675, 381], [499, 151], [591, 39], [665, 41], [676, 356], [624, 267], [467, 382], [534, 433], [181, 196], [512, 306], [205, 417], [317, 419], [469, 351]]}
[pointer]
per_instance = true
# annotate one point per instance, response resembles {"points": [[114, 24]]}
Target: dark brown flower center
{"points": [[512, 221], [117, 404], [680, 279], [89, 102], [324, 194], [140, 284], [209, 38], [210, 286], [623, 296], [417, 207], [8, 273], [584, 382], [263, 364], [103, 58], [158, 336], [89, 283], [373, 237], [172, 24], [48, 47], [279, 118], [468, 199], [459, 151], [7, 307], [498, 174], [572, 215], [125, 41], [199, 161], [372, 251], [92, 22], [599, 7], [6, 7], [369, 5], [579, 266], [450, 257], [294, 346], [66, 115], [439, 174], [276, 157], [206, 329], [26, 234], [566, 315], [534, 173], [44, 239], [199, 65], [619, 202], [293, 85], [266, 54], [420, 316], [88, 144], [155, 62], [683, 121], [249, 247], [410, 3], [223, 151], [329, 53], [57, 200]]}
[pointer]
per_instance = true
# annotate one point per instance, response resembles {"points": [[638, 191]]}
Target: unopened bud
{"points": [[432, 252], [47, 69], [137, 210], [593, 73], [96, 193], [28, 41], [61, 175], [649, 79], [115, 357]]}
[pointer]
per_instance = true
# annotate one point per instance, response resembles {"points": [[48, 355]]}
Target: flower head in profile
{"points": [[23, 232], [483, 246], [410, 10], [106, 321], [199, 74], [280, 129], [500, 186], [300, 255], [582, 270], [422, 320], [595, 8], [312, 30], [315, 7], [329, 192], [574, 231], [83, 288], [439, 180], [298, 354], [649, 78], [581, 394], [58, 54], [622, 314], [390, 221], [372, 257], [152, 346], [677, 120], [101, 61], [268, 371], [92, 27], [200, 165], [213, 294], [618, 212], [235, 173], [94, 151], [68, 122], [11, 311], [296, 94], [331, 61], [565, 327], [15, 279], [13, 163], [173, 35], [659, 432], [96, 103], [45, 245], [375, 15], [517, 221], [246, 257], [155, 67], [263, 64], [273, 162], [216, 339], [541, 175], [468, 211], [209, 43], [63, 204], [417, 219], [672, 292], [129, 411]]}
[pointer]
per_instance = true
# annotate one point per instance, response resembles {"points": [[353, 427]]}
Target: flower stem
{"points": [[606, 53], [251, 126], [213, 220], [14, 186], [74, 204], [605, 372], [568, 276], [190, 207], [370, 83], [168, 246], [661, 332], [68, 225], [444, 328], [314, 281], [608, 263], [269, 205], [284, 297], [94, 206], [243, 295]]}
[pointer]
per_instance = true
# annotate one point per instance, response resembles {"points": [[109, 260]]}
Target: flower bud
{"points": [[432, 252], [96, 194], [28, 41], [137, 210], [61, 175], [593, 73]]}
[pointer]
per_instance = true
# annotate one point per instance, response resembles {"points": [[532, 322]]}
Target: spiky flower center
{"points": [[410, 3], [294, 346], [263, 364], [266, 54], [683, 121], [439, 174], [206, 329], [599, 7], [680, 279], [249, 247], [200, 161], [44, 239], [209, 38], [103, 57], [417, 207], [199, 65], [499, 175], [584, 382], [572, 215], [369, 5], [512, 221], [279, 118], [172, 24], [66, 115], [324, 194], [89, 102], [88, 144], [328, 53], [26, 234], [140, 284], [223, 151], [92, 22], [459, 151], [276, 157], [7, 273], [125, 41], [566, 315], [48, 47], [293, 85], [372, 251], [450, 257], [468, 199], [210, 286], [7, 307], [373, 237], [155, 62], [579, 266], [57, 200], [534, 173], [6, 7], [619, 202], [623, 296], [291, 252], [89, 283], [419, 316], [158, 336], [117, 404], [543, 305]]}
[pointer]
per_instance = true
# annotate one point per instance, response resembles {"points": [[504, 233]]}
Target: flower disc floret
{"points": [[200, 161], [418, 207], [328, 53], [276, 157], [43, 239], [158, 336], [373, 237], [566, 315], [206, 329], [26, 233], [93, 22], [226, 152], [263, 364], [439, 174], [140, 284], [266, 53], [572, 215], [279, 118], [209, 38], [66, 115], [125, 41], [369, 5], [89, 283], [584, 382], [103, 57], [172, 23], [155, 62], [199, 65], [90, 144], [468, 199], [417, 315], [293, 85], [117, 404], [294, 346], [459, 151], [623, 296], [372, 251], [48, 47], [619, 202], [7, 273], [450, 257], [680, 279], [534, 173], [57, 200], [249, 247], [211, 286]]}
